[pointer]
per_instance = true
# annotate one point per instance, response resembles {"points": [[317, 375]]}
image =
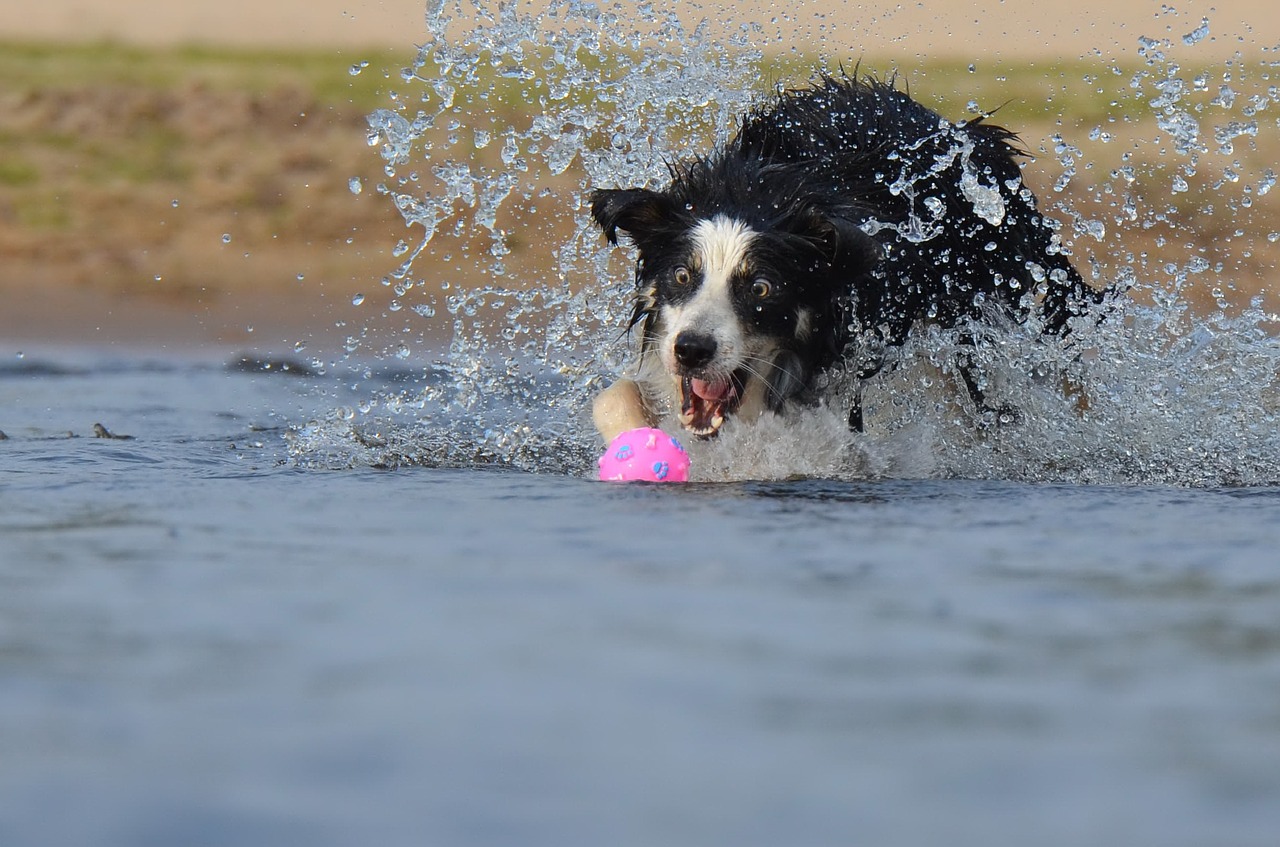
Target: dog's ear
{"points": [[854, 256], [635, 211], [846, 243]]}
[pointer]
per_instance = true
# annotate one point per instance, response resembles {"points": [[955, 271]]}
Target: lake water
{"points": [[212, 635]]}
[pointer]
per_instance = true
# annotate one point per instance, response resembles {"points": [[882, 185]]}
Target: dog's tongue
{"points": [[711, 391]]}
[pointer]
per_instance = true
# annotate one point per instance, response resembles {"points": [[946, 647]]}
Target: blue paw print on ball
{"points": [[660, 470], [624, 452]]}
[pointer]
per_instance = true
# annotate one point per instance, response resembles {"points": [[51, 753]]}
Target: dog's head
{"points": [[743, 285]]}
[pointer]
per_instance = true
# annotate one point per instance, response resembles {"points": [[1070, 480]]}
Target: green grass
{"points": [[153, 155], [15, 172], [43, 212], [1019, 90], [325, 74], [1076, 87]]}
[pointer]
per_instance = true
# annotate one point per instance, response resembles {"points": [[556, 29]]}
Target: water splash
{"points": [[509, 119]]}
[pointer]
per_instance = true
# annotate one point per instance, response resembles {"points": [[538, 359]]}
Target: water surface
{"points": [[202, 642]]}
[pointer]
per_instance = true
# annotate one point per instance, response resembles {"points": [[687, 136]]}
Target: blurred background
{"points": [[185, 173]]}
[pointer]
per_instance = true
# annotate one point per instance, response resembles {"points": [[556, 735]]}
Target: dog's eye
{"points": [[682, 276], [761, 288]]}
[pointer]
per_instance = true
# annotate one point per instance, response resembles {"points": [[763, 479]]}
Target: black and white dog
{"points": [[839, 217]]}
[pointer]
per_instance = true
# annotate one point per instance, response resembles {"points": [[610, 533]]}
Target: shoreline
{"points": [[258, 141]]}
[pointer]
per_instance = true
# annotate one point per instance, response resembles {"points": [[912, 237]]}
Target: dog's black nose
{"points": [[694, 349]]}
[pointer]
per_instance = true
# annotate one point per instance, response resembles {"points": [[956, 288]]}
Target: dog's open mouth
{"points": [[704, 404]]}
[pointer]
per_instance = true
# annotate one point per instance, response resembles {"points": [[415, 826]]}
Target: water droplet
{"points": [[226, 238], [1267, 182], [355, 69], [402, 352], [1198, 34], [355, 185], [173, 203], [357, 300], [301, 277]]}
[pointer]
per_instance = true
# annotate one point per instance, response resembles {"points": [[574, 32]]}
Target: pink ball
{"points": [[645, 454]]}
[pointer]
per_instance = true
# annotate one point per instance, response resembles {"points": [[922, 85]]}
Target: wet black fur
{"points": [[832, 175]]}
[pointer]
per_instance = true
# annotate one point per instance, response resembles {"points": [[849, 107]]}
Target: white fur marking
{"points": [[720, 250], [722, 245]]}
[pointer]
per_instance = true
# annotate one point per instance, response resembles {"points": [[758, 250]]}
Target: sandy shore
{"points": [[1009, 28]]}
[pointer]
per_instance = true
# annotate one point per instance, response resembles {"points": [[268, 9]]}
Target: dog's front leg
{"points": [[620, 407]]}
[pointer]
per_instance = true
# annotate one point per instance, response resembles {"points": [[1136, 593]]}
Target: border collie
{"points": [[838, 217]]}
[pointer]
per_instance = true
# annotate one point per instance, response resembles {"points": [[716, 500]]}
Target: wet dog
{"points": [[839, 217]]}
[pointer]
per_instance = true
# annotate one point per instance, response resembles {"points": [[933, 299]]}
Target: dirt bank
{"points": [[179, 195]]}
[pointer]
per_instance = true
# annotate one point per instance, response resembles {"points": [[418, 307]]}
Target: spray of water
{"points": [[505, 121]]}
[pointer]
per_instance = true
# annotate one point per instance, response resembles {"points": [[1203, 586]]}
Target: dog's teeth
{"points": [[717, 422]]}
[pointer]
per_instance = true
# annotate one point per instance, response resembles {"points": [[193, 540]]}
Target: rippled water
{"points": [[203, 643]]}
